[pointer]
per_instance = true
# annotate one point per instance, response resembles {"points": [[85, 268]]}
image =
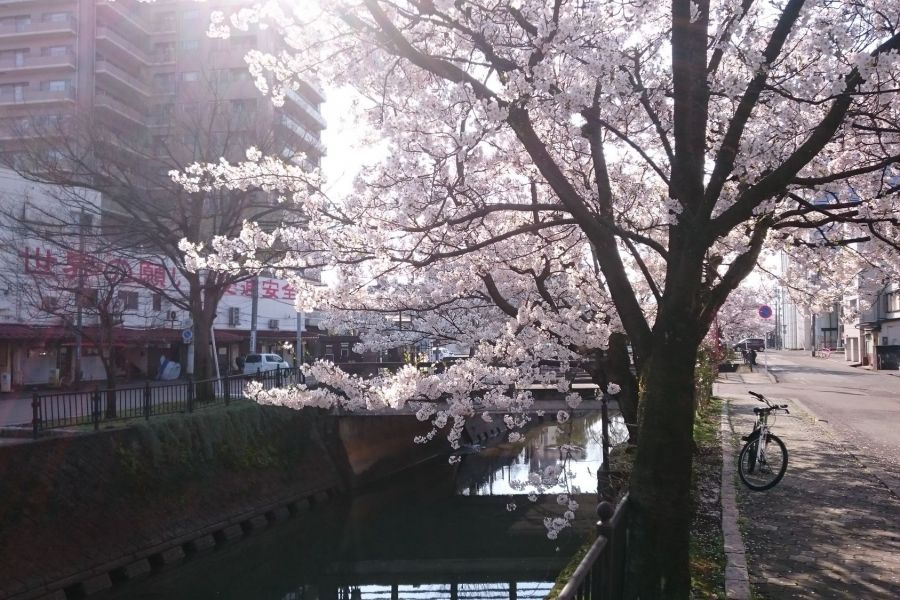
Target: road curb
{"points": [[737, 579]]}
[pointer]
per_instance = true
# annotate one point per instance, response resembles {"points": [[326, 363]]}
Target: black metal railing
{"points": [[601, 573], [93, 407]]}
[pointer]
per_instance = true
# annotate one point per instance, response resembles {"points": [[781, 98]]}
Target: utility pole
{"points": [[777, 309], [254, 311], [76, 376], [299, 349], [813, 333]]}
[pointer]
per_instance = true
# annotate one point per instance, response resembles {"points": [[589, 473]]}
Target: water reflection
{"points": [[439, 532], [576, 445]]}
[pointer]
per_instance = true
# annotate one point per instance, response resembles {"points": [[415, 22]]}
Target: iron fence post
{"points": [[95, 406], [603, 473], [190, 391], [147, 394], [226, 383], [35, 415], [278, 376]]}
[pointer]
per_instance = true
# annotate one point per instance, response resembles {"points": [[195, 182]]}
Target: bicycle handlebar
{"points": [[771, 406]]}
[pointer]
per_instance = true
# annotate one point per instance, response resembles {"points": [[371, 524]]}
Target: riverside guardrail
{"points": [[70, 409], [601, 573]]}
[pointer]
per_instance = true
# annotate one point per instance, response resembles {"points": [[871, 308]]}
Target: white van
{"points": [[260, 363]]}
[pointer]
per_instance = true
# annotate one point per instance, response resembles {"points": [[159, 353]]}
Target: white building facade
{"points": [[45, 333]]}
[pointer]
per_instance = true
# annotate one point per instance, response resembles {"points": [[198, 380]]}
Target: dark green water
{"points": [[439, 532]]}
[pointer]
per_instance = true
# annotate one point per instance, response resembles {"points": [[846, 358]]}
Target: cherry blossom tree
{"points": [[564, 176], [739, 315]]}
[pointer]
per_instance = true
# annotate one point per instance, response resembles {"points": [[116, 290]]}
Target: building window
{"points": [[243, 107], [49, 303], [190, 76], [56, 17], [17, 56], [240, 75], [164, 82], [16, 90], [56, 51], [20, 22], [87, 298], [345, 351], [56, 85], [157, 302], [164, 51], [161, 114], [189, 17], [129, 300], [165, 21], [190, 45], [244, 42], [892, 301]]}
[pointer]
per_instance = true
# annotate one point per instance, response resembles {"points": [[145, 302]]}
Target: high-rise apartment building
{"points": [[125, 91], [139, 69]]}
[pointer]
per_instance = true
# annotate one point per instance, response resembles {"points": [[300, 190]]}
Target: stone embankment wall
{"points": [[81, 512]]}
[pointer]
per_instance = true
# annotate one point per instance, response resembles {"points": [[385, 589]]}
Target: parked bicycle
{"points": [[763, 459], [823, 352]]}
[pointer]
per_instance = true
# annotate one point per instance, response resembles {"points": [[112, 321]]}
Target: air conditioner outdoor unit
{"points": [[273, 323], [234, 315], [172, 315]]}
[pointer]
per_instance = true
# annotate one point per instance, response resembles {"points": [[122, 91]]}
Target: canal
{"points": [[471, 530]]}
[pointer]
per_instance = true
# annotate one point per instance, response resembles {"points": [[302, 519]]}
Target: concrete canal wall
{"points": [[79, 513]]}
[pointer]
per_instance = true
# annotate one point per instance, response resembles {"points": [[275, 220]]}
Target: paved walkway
{"points": [[830, 529]]}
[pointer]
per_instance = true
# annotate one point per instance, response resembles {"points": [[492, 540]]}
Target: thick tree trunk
{"points": [[661, 480], [614, 366], [204, 369], [106, 357]]}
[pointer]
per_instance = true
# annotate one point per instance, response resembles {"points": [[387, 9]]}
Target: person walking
{"points": [[751, 358]]}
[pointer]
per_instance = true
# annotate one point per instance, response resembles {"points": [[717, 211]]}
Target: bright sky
{"points": [[345, 153]]}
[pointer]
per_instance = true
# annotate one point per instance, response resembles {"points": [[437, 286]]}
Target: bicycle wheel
{"points": [[767, 471]]}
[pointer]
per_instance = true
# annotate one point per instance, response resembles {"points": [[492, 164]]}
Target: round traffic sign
{"points": [[765, 311], [187, 336]]}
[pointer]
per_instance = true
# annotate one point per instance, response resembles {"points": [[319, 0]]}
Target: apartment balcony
{"points": [[304, 134], [122, 77], [121, 109], [19, 2], [28, 97], [26, 64], [293, 99], [122, 13], [115, 44], [21, 31], [162, 58]]}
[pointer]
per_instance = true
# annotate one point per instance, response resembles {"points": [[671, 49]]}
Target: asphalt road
{"points": [[861, 407]]}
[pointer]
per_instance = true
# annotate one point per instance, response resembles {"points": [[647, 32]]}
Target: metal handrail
{"points": [[84, 407], [600, 575]]}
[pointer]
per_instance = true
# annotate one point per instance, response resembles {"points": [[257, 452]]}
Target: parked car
{"points": [[260, 363], [757, 344]]}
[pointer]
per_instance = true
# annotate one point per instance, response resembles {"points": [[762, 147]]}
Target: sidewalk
{"points": [[829, 530]]}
